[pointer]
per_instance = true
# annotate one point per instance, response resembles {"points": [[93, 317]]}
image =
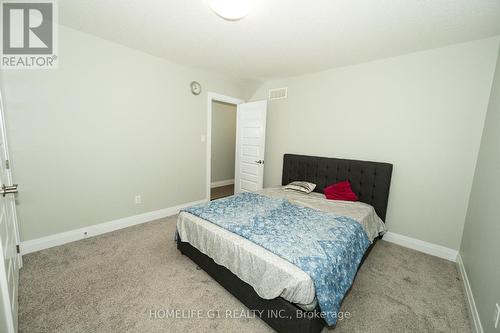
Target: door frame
{"points": [[211, 98], [9, 178], [12, 321]]}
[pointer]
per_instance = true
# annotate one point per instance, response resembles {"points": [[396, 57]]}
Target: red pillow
{"points": [[340, 191]]}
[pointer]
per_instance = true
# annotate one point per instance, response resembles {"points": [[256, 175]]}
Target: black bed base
{"points": [[278, 313]]}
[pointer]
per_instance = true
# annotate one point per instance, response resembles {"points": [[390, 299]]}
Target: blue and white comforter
{"points": [[326, 246]]}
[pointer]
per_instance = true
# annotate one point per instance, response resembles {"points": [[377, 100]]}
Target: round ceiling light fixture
{"points": [[231, 10]]}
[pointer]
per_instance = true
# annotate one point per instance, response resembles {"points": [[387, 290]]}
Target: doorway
{"points": [[221, 135], [223, 147], [246, 160]]}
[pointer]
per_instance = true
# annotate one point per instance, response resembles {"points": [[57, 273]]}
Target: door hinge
{"points": [[17, 249], [7, 164]]}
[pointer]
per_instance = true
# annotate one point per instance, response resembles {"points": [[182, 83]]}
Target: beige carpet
{"points": [[111, 283]]}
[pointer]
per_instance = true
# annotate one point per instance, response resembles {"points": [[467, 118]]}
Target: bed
{"points": [[282, 294]]}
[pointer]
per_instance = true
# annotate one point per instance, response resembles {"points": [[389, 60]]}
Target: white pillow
{"points": [[305, 187]]}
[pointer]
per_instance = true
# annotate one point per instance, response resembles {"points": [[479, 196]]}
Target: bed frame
{"points": [[370, 181]]}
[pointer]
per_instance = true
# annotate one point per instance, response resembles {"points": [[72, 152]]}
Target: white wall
{"points": [[110, 123], [223, 141], [423, 112], [480, 244]]}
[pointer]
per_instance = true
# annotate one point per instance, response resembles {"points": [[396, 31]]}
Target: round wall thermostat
{"points": [[195, 88]]}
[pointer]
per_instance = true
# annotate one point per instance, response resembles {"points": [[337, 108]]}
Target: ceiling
{"points": [[283, 37]]}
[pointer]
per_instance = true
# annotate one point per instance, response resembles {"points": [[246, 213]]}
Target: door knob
{"points": [[260, 162], [7, 189]]}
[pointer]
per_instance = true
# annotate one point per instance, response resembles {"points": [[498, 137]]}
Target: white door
{"points": [[9, 236], [250, 146]]}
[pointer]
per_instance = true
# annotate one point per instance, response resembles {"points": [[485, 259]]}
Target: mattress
{"points": [[270, 275]]}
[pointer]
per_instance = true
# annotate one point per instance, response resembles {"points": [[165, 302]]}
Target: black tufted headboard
{"points": [[370, 181]]}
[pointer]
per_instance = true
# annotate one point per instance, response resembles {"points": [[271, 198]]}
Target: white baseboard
{"points": [[471, 304], [102, 228], [222, 183], [422, 246], [99, 229]]}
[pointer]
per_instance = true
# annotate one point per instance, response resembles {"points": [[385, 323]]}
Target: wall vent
{"points": [[278, 93]]}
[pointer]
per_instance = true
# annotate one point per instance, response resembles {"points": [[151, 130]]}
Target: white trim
{"points": [[471, 304], [99, 229], [222, 183], [220, 98], [422, 246]]}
